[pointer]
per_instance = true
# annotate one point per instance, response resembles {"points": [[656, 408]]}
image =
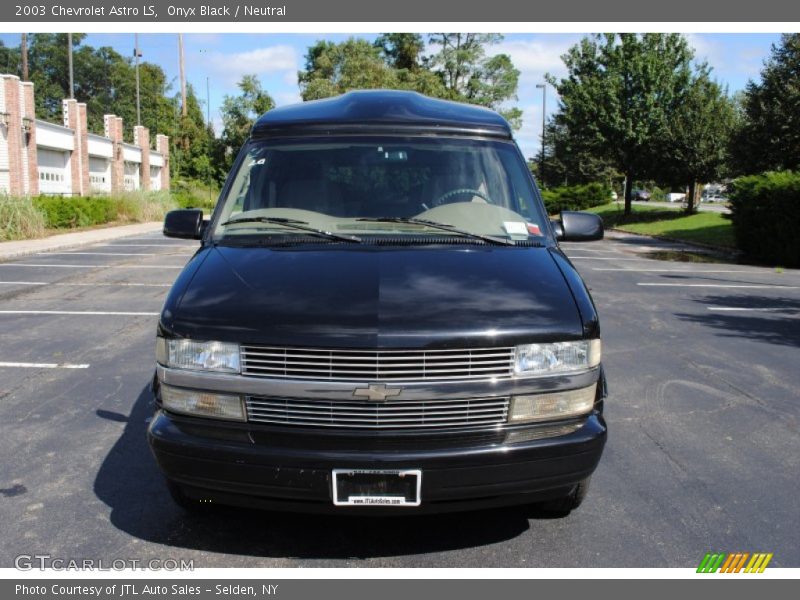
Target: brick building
{"points": [[38, 157]]}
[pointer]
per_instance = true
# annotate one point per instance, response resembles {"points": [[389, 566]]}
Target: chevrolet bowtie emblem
{"points": [[376, 392]]}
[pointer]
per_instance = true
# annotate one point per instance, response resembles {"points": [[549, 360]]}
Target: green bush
{"points": [[765, 210], [658, 195], [61, 213], [190, 193], [19, 219], [576, 197]]}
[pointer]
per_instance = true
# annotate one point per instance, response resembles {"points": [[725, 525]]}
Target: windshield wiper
{"points": [[295, 224], [443, 226]]}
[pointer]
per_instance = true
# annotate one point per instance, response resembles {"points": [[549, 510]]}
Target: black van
{"points": [[379, 319]]}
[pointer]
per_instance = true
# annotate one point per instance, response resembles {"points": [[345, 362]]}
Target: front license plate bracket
{"points": [[377, 487]]}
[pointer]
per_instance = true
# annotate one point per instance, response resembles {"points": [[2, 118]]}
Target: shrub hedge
{"points": [[63, 213], [29, 217], [575, 197], [765, 210]]}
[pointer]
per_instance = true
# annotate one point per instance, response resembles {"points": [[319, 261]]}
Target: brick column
{"points": [[141, 138], [83, 128], [162, 146], [29, 111], [14, 135], [113, 131], [75, 119]]}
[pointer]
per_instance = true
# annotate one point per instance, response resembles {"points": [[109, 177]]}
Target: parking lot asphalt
{"points": [[703, 451]]}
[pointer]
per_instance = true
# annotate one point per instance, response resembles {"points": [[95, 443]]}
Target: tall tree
{"points": [[696, 147], [401, 50], [239, 113], [769, 136], [620, 94], [460, 70], [333, 69]]}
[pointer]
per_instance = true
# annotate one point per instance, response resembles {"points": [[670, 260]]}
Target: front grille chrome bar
{"points": [[377, 365], [386, 415]]}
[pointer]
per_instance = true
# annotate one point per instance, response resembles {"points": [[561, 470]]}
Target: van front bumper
{"points": [[276, 469]]}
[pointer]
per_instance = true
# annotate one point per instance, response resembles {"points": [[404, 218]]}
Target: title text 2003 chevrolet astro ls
{"points": [[378, 319]]}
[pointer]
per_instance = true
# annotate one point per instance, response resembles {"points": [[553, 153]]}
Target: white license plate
{"points": [[368, 487]]}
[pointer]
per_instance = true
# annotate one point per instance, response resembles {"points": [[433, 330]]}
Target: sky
{"points": [[222, 59]]}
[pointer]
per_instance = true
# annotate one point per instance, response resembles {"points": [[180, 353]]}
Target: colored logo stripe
{"points": [[733, 563]]}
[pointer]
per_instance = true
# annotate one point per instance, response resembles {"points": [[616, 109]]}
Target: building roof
{"points": [[384, 111]]}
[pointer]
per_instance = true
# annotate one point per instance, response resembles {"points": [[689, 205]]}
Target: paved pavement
{"points": [[703, 452], [64, 241]]}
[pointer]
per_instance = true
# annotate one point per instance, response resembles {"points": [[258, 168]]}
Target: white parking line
{"points": [[99, 283], [721, 285], [92, 266], [22, 365], [644, 270], [98, 254], [115, 245], [607, 258], [746, 309], [79, 312]]}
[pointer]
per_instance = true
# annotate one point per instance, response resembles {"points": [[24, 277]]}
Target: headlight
{"points": [[199, 356], [552, 406], [543, 359], [202, 404]]}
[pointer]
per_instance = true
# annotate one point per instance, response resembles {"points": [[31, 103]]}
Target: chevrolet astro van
{"points": [[379, 319]]}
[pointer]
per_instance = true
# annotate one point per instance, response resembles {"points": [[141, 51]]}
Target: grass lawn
{"points": [[704, 227]]}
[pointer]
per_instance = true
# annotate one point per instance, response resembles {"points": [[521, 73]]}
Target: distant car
{"points": [[676, 197], [640, 195]]}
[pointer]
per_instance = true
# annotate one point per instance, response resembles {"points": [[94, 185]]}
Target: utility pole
{"points": [[182, 74], [137, 55], [24, 45], [543, 87], [69, 62]]}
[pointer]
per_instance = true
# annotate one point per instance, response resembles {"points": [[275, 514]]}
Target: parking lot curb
{"points": [[63, 241], [720, 251]]}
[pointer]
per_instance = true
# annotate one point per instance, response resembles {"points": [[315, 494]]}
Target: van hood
{"points": [[378, 297]]}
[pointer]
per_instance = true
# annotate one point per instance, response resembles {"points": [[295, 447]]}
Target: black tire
{"points": [[181, 499], [566, 504]]}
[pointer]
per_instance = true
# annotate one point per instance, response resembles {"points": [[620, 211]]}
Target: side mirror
{"points": [[185, 223], [579, 227]]}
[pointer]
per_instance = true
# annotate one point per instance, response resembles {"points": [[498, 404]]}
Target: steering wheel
{"points": [[444, 198]]}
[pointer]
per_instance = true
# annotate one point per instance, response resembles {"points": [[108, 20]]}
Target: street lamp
{"points": [[543, 87]]}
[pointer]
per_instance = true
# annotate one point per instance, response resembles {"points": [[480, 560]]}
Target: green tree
{"points": [[239, 113], [696, 147], [769, 135], [460, 70], [333, 69], [192, 141], [620, 94], [570, 159], [10, 60], [469, 76], [402, 50]]}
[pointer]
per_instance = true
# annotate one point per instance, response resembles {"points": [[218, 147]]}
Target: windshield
{"points": [[379, 186]]}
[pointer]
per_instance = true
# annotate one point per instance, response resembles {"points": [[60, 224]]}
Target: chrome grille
{"points": [[377, 365], [372, 415]]}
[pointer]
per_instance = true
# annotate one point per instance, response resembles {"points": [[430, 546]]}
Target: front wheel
{"points": [[180, 498], [564, 505]]}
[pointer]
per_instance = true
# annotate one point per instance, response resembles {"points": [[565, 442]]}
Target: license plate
{"points": [[361, 487]]}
